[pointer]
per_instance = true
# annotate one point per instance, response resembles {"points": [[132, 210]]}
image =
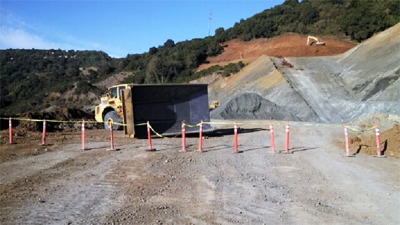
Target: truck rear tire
{"points": [[112, 115]]}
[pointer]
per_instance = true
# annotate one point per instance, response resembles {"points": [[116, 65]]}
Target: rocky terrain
{"points": [[338, 89]]}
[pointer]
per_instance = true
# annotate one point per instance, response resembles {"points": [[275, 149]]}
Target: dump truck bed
{"points": [[165, 107]]}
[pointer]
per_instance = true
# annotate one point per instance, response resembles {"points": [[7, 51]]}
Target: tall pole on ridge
{"points": [[209, 23]]}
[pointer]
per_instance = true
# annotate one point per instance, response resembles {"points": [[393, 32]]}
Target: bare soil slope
{"points": [[283, 46]]}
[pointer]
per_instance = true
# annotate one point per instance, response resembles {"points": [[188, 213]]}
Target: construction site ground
{"points": [[316, 184]]}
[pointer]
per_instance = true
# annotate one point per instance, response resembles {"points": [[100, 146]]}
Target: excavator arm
{"points": [[315, 40]]}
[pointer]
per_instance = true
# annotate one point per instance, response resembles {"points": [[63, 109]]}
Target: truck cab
{"points": [[110, 107]]}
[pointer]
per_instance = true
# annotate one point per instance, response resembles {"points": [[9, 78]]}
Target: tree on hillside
{"points": [[169, 43], [364, 18], [392, 8], [153, 50], [291, 2], [309, 15]]}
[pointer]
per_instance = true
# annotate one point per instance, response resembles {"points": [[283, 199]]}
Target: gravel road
{"points": [[316, 184]]}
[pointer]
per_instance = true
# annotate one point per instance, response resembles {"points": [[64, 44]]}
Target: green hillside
{"points": [[33, 80], [358, 19], [27, 77]]}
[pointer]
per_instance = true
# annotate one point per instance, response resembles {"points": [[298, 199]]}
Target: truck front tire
{"points": [[112, 115]]}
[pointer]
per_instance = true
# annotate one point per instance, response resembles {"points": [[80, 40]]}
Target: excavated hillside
{"points": [[290, 45], [336, 89]]}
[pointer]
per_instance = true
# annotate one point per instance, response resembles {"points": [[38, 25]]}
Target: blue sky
{"points": [[116, 27]]}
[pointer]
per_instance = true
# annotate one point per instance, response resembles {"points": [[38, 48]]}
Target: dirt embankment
{"points": [[283, 46], [365, 142], [63, 115]]}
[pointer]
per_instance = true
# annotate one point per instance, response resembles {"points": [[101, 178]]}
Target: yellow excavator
{"points": [[214, 104], [316, 41]]}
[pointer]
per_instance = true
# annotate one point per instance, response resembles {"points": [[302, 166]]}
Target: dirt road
{"points": [[314, 185]]}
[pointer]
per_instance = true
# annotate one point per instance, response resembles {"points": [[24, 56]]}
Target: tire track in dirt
{"points": [[315, 184]]}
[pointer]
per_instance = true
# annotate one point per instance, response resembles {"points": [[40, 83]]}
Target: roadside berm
{"points": [[365, 142]]}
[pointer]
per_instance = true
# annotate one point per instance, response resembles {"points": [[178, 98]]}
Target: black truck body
{"points": [[165, 106]]}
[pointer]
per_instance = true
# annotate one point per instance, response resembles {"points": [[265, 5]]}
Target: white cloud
{"points": [[16, 33], [19, 38]]}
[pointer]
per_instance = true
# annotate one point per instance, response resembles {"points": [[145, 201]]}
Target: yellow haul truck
{"points": [[165, 106], [110, 107]]}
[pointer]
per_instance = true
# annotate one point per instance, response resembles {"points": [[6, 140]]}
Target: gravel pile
{"points": [[252, 106]]}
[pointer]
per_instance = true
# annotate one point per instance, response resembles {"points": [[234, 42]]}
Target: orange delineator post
{"points": [[10, 130], [346, 139], [287, 137], [378, 141], [183, 137], [83, 135], [271, 131], [201, 136], [111, 136], [110, 125], [44, 133], [235, 136], [149, 137]]}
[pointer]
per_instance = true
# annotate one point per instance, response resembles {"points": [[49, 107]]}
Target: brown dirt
{"points": [[366, 142], [55, 114], [113, 80], [286, 64], [62, 184], [283, 46]]}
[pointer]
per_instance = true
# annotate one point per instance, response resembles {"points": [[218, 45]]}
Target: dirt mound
{"points": [[62, 114], [282, 46], [366, 142], [384, 121], [252, 106]]}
